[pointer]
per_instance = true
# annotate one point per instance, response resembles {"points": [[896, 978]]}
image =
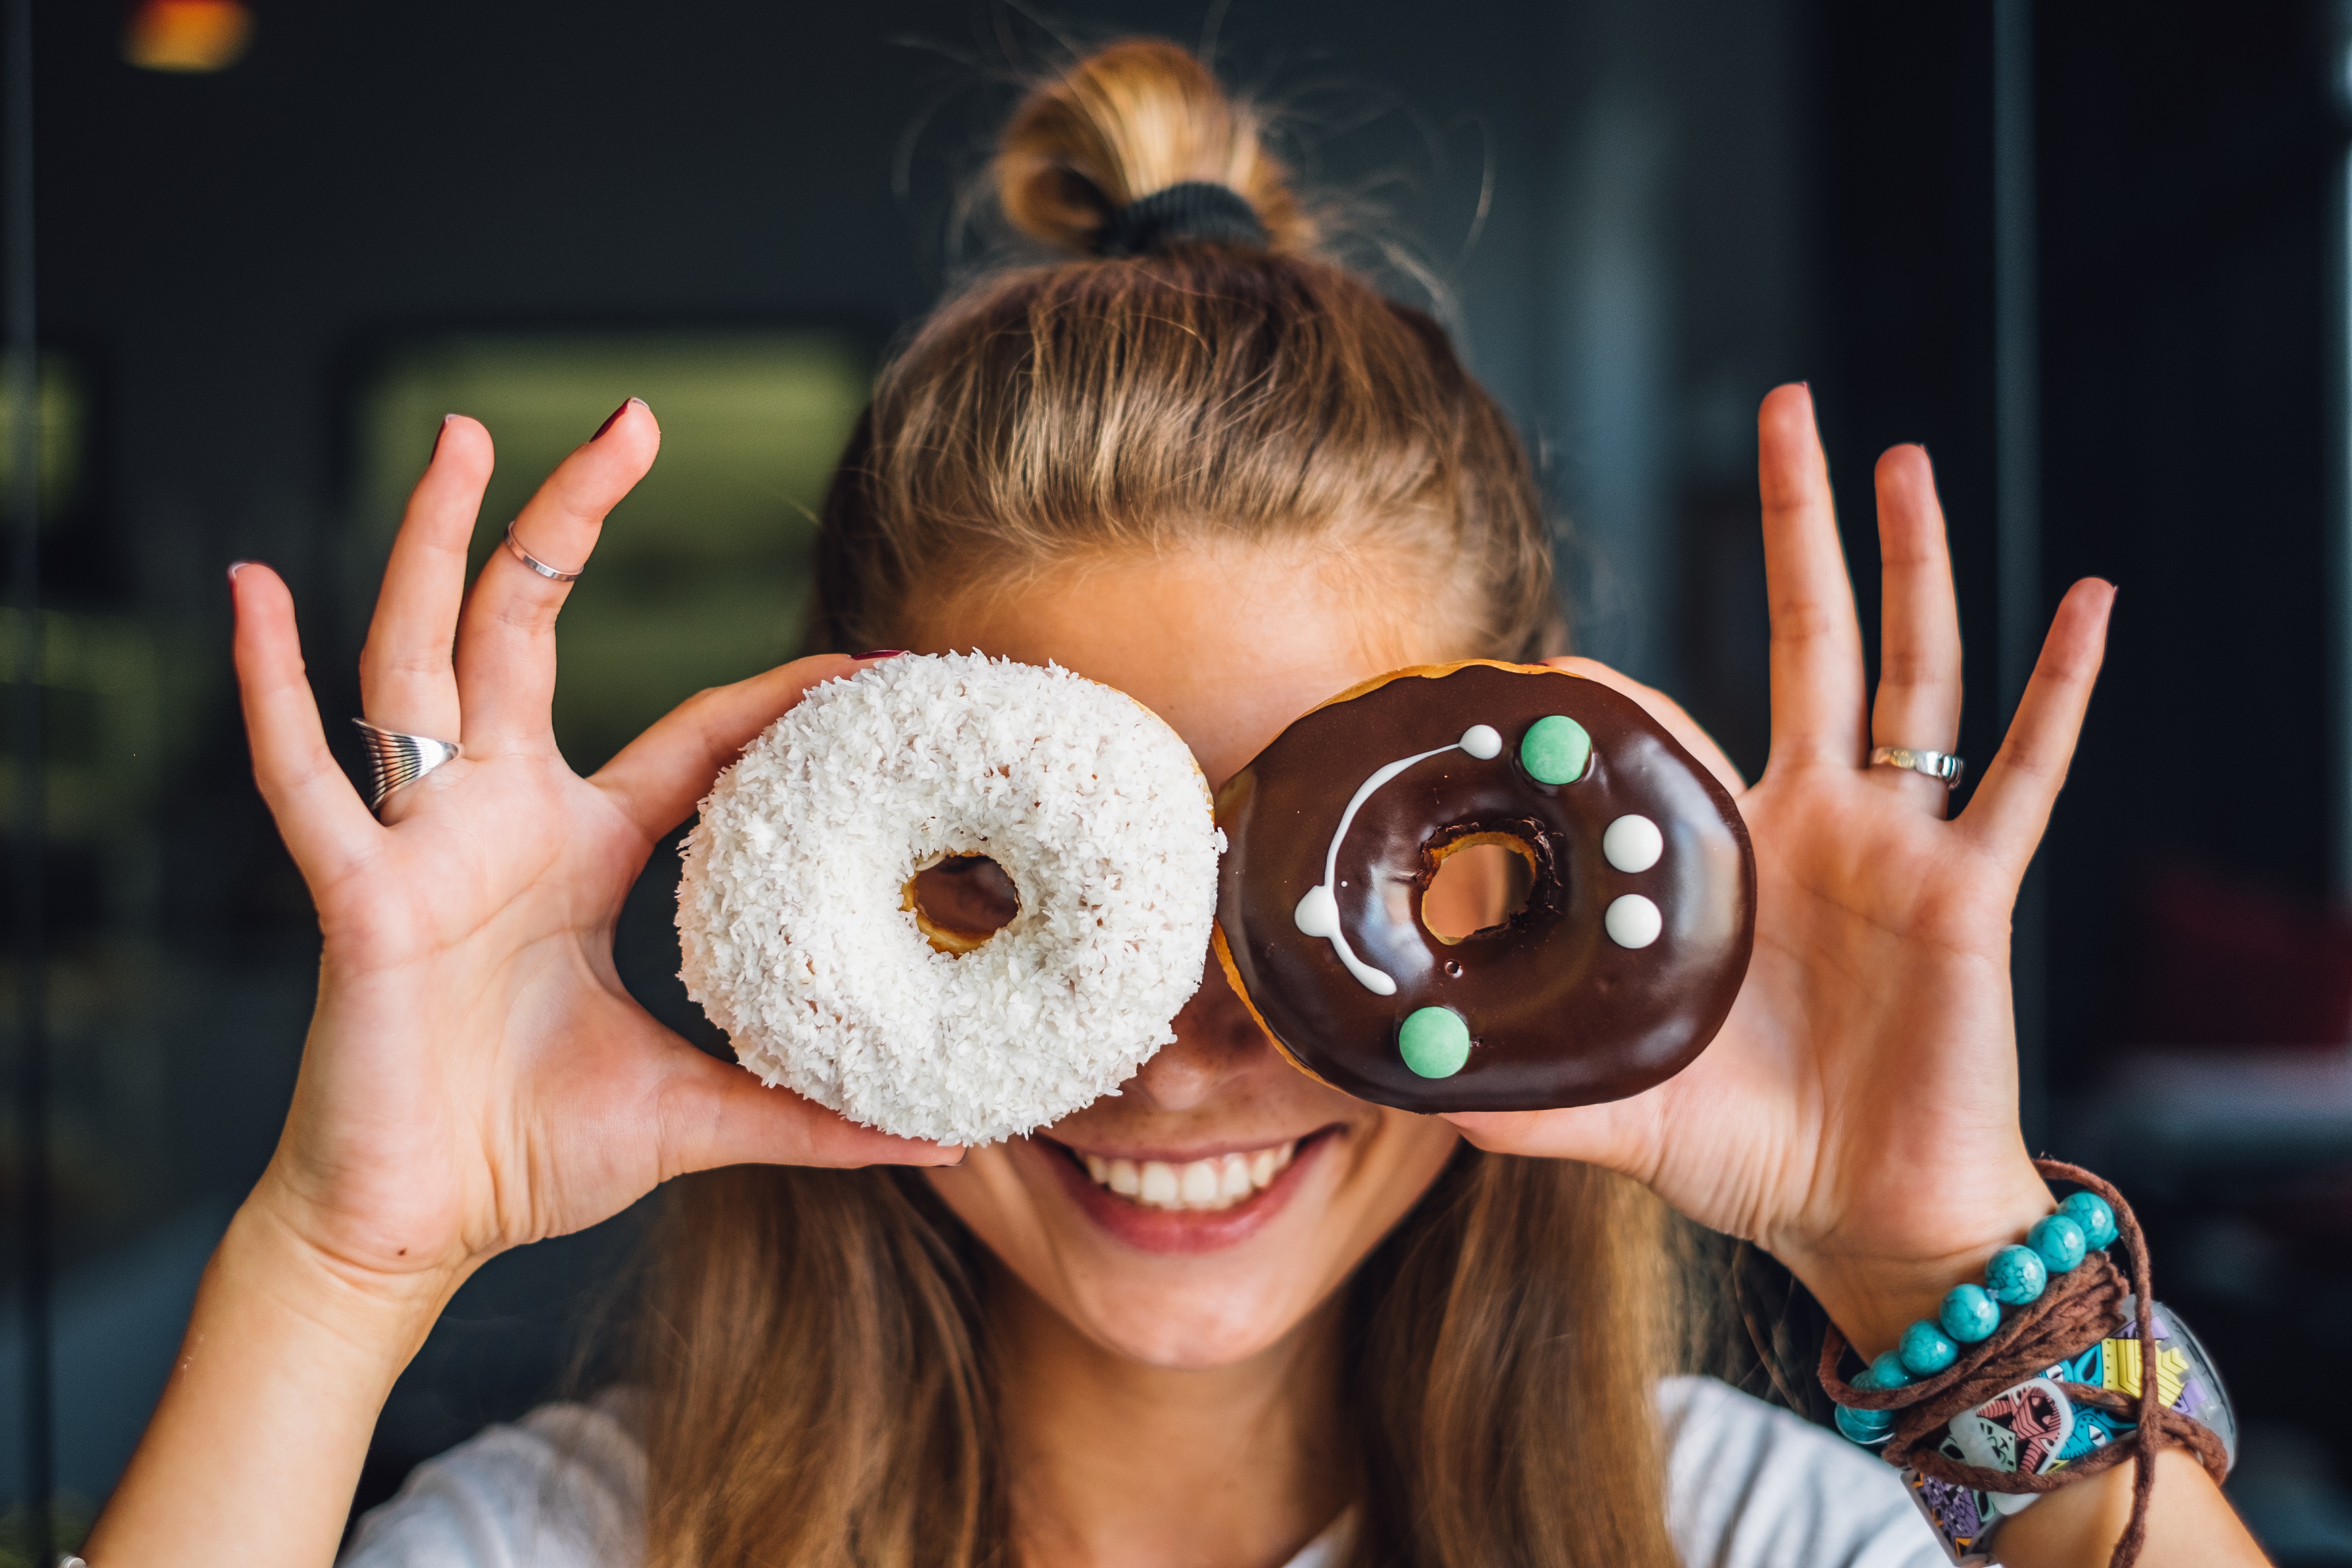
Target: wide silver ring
{"points": [[1941, 766], [397, 760], [552, 574]]}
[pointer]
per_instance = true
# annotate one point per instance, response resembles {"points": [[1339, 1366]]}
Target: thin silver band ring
{"points": [[552, 574], [396, 759], [1941, 766]]}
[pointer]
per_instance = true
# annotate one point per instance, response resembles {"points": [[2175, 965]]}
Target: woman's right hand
{"points": [[475, 1075]]}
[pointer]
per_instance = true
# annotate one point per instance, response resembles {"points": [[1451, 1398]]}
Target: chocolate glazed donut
{"points": [[1617, 971]]}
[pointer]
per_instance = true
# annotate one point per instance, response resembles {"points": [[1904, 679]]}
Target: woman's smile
{"points": [[1197, 1217], [1178, 1201], [1204, 1183]]}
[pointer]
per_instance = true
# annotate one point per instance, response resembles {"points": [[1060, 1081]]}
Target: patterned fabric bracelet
{"points": [[2036, 1427], [1981, 1409]]}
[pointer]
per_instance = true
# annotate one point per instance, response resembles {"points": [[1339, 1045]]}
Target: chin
{"points": [[1198, 1248], [1220, 1323]]}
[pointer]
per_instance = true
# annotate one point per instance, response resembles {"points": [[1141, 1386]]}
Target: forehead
{"points": [[1227, 643]]}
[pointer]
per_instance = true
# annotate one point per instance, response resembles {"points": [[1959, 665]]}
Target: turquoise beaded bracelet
{"points": [[1970, 1314], [1979, 1431]]}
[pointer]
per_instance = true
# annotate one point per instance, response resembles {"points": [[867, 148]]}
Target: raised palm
{"points": [[1858, 1111], [476, 1076]]}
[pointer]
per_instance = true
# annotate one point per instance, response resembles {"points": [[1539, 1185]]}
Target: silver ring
{"points": [[1941, 766], [552, 574], [398, 760]]}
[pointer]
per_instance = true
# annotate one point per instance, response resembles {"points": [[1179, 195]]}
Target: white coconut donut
{"points": [[794, 919]]}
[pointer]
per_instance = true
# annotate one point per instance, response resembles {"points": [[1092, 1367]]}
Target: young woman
{"points": [[1229, 478]]}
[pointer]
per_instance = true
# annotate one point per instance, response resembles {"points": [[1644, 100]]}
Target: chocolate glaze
{"points": [[1558, 1014]]}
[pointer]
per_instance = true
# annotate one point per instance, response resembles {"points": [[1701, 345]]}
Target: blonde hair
{"points": [[1211, 392], [820, 1389]]}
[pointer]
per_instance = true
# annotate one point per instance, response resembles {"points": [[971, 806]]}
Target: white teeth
{"points": [[1159, 1184], [1234, 1180], [1196, 1183], [1216, 1183]]}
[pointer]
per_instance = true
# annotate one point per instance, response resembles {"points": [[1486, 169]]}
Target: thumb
{"points": [[709, 1113], [1611, 1136]]}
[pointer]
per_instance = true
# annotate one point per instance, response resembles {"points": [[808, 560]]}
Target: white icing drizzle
{"points": [[1318, 912]]}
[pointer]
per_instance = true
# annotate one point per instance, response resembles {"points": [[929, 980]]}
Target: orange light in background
{"points": [[188, 34]]}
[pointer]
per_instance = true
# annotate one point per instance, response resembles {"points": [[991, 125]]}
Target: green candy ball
{"points": [[1556, 750], [1434, 1042]]}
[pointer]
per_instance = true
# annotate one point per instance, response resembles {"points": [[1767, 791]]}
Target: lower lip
{"points": [[1179, 1231]]}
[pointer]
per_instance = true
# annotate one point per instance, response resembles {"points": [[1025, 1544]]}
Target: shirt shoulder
{"points": [[1749, 1485], [564, 1488]]}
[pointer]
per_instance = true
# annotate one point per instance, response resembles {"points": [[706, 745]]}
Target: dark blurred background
{"points": [[2093, 255]]}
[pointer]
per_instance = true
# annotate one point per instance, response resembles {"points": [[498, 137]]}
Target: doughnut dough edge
{"points": [[791, 919]]}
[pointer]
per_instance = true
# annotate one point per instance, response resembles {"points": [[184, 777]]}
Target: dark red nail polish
{"points": [[611, 417], [880, 653]]}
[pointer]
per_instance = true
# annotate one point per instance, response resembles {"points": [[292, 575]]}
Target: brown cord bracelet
{"points": [[2076, 1310]]}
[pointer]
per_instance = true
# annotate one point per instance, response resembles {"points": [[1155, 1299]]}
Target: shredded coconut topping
{"points": [[791, 920]]}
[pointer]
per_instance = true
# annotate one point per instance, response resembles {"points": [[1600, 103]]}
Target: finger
{"points": [[2012, 804], [321, 817], [1918, 700], [709, 1113], [408, 681], [1817, 674], [1587, 1133], [1667, 712], [505, 635], [658, 778]]}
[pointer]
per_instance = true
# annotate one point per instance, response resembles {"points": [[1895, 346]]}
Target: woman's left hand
{"points": [[1857, 1116]]}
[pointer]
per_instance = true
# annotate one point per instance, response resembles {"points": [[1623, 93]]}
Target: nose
{"points": [[1217, 1045]]}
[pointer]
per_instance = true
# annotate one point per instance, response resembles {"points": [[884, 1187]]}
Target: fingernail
{"points": [[437, 439], [237, 566], [615, 414], [880, 653]]}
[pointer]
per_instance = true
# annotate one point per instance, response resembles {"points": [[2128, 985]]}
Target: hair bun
{"points": [[1133, 118]]}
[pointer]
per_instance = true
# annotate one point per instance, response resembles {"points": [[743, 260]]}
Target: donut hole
{"points": [[1479, 882], [961, 901]]}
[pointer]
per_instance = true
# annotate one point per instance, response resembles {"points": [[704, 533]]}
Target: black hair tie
{"points": [[1196, 209]]}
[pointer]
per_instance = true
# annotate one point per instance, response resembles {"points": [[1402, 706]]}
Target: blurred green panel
{"points": [[61, 406], [701, 576]]}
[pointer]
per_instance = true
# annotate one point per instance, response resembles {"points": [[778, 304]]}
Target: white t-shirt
{"points": [[1747, 1485]]}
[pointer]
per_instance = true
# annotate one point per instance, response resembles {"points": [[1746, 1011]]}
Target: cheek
{"points": [[1412, 1153], [988, 1195]]}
